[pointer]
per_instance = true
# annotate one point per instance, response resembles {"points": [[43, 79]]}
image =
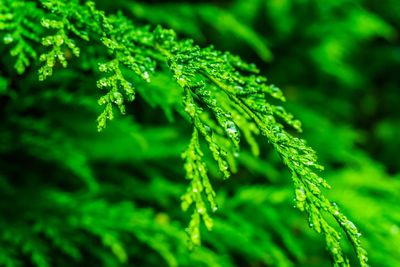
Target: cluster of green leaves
{"points": [[226, 102], [210, 76], [364, 94], [21, 31]]}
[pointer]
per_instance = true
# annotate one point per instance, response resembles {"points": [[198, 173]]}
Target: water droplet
{"points": [[300, 194], [280, 109], [239, 89], [352, 228], [208, 129], [190, 109], [182, 81], [118, 98], [282, 137], [146, 76], [231, 130], [276, 92], [301, 197], [276, 129], [215, 208]]}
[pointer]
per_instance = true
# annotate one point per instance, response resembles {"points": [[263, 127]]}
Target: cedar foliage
{"points": [[110, 198]]}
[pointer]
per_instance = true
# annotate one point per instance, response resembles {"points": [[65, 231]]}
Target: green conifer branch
{"points": [[223, 96], [196, 171], [18, 24]]}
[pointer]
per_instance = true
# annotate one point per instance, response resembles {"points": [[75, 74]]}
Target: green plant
{"points": [[216, 98]]}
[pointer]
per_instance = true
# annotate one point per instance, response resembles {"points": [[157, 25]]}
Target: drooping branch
{"points": [[226, 101]]}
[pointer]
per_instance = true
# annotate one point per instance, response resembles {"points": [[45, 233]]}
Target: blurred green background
{"points": [[70, 196]]}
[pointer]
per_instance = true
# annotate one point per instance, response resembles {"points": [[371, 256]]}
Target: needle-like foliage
{"points": [[228, 106]]}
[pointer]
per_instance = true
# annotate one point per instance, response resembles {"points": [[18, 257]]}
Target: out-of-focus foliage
{"points": [[72, 196]]}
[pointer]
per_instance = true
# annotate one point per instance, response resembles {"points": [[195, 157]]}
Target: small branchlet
{"points": [[200, 186], [19, 29]]}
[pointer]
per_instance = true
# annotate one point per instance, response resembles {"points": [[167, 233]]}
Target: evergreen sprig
{"points": [[224, 97], [20, 30]]}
